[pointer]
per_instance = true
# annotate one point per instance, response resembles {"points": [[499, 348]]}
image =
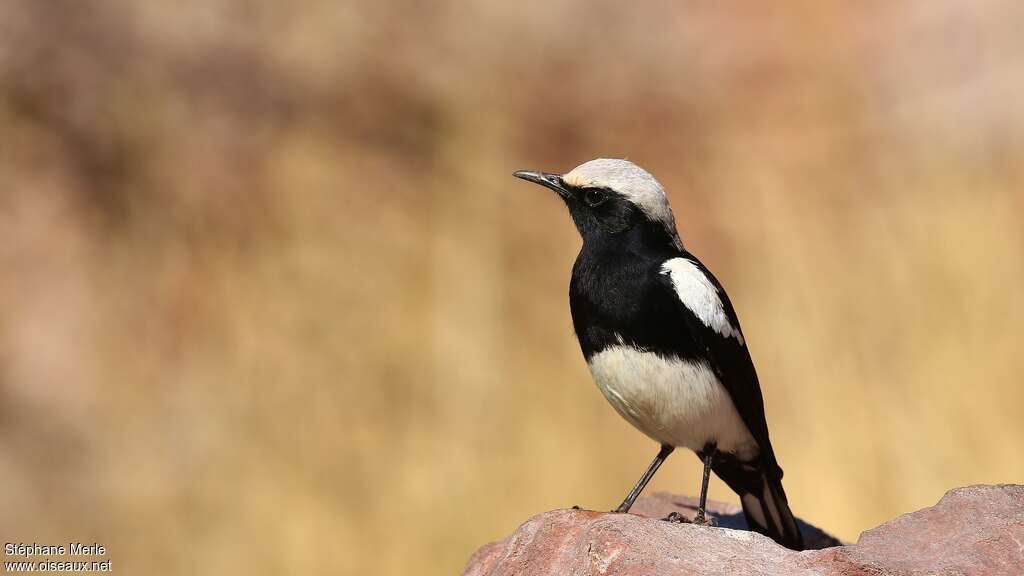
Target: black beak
{"points": [[552, 181]]}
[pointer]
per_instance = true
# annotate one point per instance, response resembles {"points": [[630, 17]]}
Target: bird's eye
{"points": [[594, 196]]}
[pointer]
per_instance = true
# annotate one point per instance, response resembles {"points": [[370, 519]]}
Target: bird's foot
{"points": [[576, 507], [677, 518], [701, 520], [622, 509]]}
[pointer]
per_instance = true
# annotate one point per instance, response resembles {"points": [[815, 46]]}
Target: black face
{"points": [[600, 211], [601, 214]]}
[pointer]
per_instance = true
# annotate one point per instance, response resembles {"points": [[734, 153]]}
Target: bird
{"points": [[663, 342]]}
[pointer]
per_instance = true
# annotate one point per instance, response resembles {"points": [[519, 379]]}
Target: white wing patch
{"points": [[699, 295]]}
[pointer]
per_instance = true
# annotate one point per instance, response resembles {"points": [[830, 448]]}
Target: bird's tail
{"points": [[767, 510], [759, 486]]}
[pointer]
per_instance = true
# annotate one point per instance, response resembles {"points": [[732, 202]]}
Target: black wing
{"points": [[730, 360]]}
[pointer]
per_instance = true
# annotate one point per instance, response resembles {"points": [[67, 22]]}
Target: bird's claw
{"points": [[699, 520], [702, 520], [676, 518]]}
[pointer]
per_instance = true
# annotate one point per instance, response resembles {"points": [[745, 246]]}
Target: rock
{"points": [[974, 530], [726, 515]]}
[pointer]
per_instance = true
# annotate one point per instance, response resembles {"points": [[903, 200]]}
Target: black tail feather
{"points": [[767, 511], [764, 501]]}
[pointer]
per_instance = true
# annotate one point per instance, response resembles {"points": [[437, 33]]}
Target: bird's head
{"points": [[613, 198]]}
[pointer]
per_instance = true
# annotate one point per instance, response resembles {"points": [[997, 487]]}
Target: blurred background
{"points": [[271, 301]]}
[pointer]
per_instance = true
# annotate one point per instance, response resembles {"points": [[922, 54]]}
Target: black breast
{"points": [[621, 294]]}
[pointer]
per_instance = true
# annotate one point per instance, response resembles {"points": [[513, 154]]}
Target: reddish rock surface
{"points": [[977, 530]]}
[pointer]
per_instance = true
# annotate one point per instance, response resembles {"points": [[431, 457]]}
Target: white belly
{"points": [[675, 402]]}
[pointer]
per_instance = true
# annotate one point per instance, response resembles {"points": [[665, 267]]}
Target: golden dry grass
{"points": [[272, 302]]}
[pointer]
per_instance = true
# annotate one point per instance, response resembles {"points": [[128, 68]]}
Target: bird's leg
{"points": [[699, 518], [655, 464]]}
